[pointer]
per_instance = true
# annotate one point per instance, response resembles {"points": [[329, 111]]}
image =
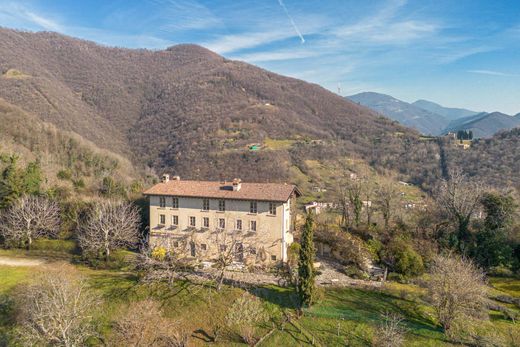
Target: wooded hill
{"points": [[189, 111]]}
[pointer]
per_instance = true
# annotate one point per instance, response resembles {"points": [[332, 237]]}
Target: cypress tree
{"points": [[306, 274], [11, 183]]}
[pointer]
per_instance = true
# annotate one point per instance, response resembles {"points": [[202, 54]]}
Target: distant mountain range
{"points": [[446, 112], [433, 119], [485, 124], [405, 113]]}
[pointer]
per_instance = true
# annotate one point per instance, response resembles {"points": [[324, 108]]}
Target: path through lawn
{"points": [[9, 261]]}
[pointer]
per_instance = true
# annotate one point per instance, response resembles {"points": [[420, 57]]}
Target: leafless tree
{"points": [[245, 312], [109, 225], [30, 218], [387, 198], [344, 205], [230, 247], [143, 324], [56, 309], [368, 194], [390, 332], [459, 197], [457, 290]]}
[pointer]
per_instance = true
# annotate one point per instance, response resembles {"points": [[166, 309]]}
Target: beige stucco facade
{"points": [[190, 227]]}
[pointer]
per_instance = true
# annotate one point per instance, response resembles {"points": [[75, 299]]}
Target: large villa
{"points": [[203, 219]]}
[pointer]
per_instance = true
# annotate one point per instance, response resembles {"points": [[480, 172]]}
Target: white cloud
{"points": [[493, 73], [385, 28], [231, 43], [21, 17], [452, 55], [275, 56]]}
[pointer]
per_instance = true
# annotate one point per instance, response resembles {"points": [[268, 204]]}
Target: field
{"points": [[344, 316]]}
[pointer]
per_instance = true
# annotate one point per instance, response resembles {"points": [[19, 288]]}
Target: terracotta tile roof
{"points": [[219, 190]]}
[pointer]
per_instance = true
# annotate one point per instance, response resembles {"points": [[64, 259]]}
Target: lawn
{"points": [[344, 316]]}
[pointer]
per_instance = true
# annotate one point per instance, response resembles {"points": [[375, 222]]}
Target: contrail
{"points": [[292, 21]]}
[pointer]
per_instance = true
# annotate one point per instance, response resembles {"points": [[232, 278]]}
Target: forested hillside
{"points": [[67, 162], [193, 112], [496, 161]]}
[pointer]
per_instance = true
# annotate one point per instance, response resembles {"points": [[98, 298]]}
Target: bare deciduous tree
{"points": [[459, 197], [109, 225], [387, 198], [56, 309], [29, 218], [230, 247], [456, 289], [390, 333], [245, 312], [143, 324]]}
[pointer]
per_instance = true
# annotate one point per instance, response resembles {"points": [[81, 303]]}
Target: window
{"points": [[203, 246], [192, 221], [175, 220], [239, 224], [176, 244], [205, 204], [253, 207], [205, 221], [222, 205], [253, 225], [273, 257], [175, 202], [162, 202], [272, 208], [162, 219], [221, 223], [223, 248]]}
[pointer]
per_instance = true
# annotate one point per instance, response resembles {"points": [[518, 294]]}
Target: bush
{"points": [[390, 332], [375, 247], [159, 253], [64, 246], [244, 314], [355, 272], [403, 259], [64, 175]]}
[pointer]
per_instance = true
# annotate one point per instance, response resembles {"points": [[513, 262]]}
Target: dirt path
{"points": [[12, 261]]}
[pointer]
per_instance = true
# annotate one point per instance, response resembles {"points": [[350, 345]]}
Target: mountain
{"points": [[189, 111], [447, 112], [485, 124], [405, 113]]}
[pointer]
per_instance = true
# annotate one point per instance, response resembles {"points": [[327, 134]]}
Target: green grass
{"points": [[344, 316], [509, 286], [278, 144]]}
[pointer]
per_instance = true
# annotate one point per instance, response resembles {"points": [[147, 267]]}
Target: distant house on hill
{"points": [[203, 219], [319, 207]]}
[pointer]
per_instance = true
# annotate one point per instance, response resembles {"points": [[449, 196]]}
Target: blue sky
{"points": [[463, 53]]}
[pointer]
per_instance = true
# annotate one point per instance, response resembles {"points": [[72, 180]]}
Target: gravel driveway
{"points": [[11, 261]]}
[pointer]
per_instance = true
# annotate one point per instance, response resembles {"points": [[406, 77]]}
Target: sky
{"points": [[459, 53]]}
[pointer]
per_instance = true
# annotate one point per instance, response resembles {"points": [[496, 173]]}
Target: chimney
{"points": [[165, 178], [237, 184], [176, 178]]}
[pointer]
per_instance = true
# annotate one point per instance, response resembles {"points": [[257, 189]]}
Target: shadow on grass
{"points": [[283, 297], [7, 321], [366, 306]]}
